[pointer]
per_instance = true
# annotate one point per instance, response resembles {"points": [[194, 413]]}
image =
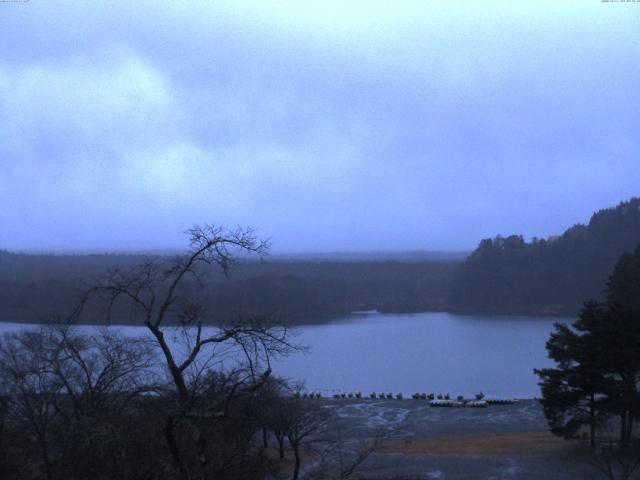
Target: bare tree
{"points": [[615, 462], [4, 457], [164, 296], [96, 403], [70, 391], [308, 424], [31, 389], [305, 418], [340, 459], [102, 376], [275, 414], [105, 370], [612, 458]]}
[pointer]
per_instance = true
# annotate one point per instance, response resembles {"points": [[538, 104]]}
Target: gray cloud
{"points": [[326, 126]]}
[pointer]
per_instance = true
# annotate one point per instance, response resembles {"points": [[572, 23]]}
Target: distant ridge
{"points": [[346, 256], [372, 256], [304, 288]]}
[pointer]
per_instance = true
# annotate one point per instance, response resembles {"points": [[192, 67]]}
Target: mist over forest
{"points": [[503, 275]]}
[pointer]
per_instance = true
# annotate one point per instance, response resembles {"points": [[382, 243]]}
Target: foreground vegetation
{"points": [[183, 402], [76, 407]]}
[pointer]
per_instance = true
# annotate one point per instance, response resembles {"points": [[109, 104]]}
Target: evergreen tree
{"points": [[622, 339], [598, 360], [571, 393]]}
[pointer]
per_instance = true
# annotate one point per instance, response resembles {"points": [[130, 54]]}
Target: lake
{"points": [[428, 352]]}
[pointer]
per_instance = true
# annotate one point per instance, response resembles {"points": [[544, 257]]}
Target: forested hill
{"points": [[553, 276]]}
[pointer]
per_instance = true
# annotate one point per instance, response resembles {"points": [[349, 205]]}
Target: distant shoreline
{"points": [[319, 319]]}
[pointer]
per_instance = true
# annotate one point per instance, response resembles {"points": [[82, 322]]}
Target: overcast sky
{"points": [[325, 125]]}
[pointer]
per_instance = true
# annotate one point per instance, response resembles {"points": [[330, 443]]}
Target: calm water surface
{"points": [[432, 352]]}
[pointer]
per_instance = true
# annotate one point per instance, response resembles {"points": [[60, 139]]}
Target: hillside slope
{"points": [[555, 276]]}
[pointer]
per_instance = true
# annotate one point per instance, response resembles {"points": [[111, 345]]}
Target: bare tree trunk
{"points": [[3, 452], [296, 453], [45, 458], [176, 374], [592, 422], [169, 436], [624, 437], [281, 447], [265, 438]]}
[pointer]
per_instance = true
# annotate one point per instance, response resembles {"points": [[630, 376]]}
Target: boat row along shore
{"points": [[435, 400]]}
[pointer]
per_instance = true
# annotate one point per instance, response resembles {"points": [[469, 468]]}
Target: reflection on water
{"points": [[432, 352]]}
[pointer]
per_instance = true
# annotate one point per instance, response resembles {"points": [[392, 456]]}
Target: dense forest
{"points": [[38, 287], [549, 277]]}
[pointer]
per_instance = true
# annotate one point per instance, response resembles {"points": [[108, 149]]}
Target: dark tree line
{"points": [[36, 287], [553, 276], [595, 384]]}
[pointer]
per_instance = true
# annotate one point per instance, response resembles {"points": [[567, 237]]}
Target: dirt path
{"points": [[525, 443]]}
